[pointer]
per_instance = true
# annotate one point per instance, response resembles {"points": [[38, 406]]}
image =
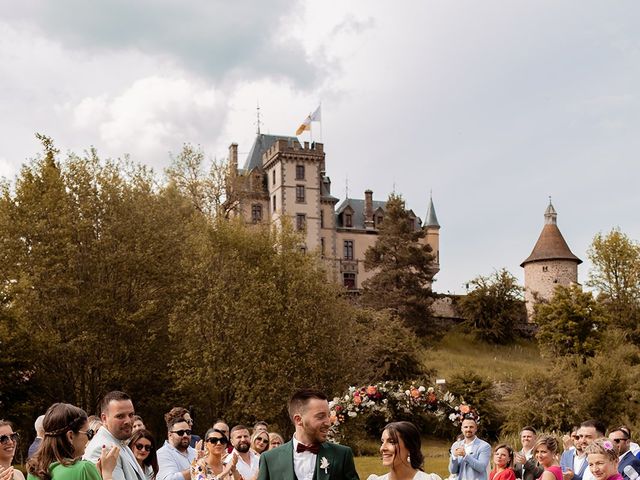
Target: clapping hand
{"points": [[519, 458], [6, 474], [459, 452]]}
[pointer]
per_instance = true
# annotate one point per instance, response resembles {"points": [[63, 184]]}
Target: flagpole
{"points": [[320, 122]]}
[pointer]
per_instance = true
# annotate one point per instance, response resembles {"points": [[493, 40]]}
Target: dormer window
{"points": [[348, 220]]}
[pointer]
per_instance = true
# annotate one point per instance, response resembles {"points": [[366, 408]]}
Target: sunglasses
{"points": [[216, 440], [13, 437], [618, 440], [263, 440], [89, 433], [181, 433], [141, 447]]}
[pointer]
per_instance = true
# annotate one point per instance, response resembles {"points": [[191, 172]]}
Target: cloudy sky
{"points": [[492, 105]]}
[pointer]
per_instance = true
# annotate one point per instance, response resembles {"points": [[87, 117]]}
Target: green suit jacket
{"points": [[277, 464]]}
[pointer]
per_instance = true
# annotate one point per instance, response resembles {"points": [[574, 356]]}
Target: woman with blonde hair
{"points": [[546, 452], [260, 441], [602, 456]]}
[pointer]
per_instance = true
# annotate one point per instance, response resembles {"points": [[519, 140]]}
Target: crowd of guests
{"points": [[588, 454], [70, 445]]}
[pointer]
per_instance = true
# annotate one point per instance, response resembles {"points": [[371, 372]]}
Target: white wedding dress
{"points": [[418, 476]]}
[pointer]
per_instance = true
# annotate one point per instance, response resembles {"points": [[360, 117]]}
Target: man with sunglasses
{"points": [[116, 413], [628, 464], [176, 455]]}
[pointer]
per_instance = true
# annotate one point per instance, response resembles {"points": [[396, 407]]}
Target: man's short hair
{"points": [[173, 414], [173, 420], [236, 428], [261, 423], [529, 428], [299, 400], [598, 425], [624, 431], [115, 396]]}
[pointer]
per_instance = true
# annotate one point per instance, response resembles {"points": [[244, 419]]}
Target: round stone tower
{"points": [[550, 264]]}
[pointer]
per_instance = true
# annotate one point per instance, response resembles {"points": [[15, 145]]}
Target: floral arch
{"points": [[395, 400]]}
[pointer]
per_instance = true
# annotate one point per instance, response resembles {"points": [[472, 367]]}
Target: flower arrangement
{"points": [[396, 399]]}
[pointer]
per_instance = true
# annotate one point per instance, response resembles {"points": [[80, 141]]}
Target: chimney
{"points": [[368, 209], [233, 158]]}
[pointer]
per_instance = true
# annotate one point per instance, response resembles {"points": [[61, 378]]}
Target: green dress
{"points": [[80, 470]]}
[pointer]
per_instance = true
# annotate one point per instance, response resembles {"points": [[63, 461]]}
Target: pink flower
{"points": [[371, 390], [607, 444], [465, 408], [357, 399]]}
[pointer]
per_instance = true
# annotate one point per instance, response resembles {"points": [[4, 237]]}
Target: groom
{"points": [[308, 456]]}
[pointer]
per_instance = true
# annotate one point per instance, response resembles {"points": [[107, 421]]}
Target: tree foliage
{"points": [[403, 268], [572, 323], [615, 274], [494, 307]]}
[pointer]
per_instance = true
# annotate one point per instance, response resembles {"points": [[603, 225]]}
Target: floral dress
{"points": [[200, 470]]}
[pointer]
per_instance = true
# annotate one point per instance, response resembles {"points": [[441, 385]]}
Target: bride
{"points": [[401, 453]]}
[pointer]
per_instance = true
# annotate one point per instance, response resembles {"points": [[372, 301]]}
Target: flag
{"points": [[314, 117], [306, 125]]}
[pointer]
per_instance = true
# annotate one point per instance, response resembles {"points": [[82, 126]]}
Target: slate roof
{"points": [[431, 219], [551, 245], [357, 205], [261, 144]]}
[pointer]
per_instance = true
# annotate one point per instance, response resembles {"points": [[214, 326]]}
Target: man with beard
{"points": [[573, 460], [176, 455], [588, 432], [248, 461], [470, 456], [116, 413], [308, 455]]}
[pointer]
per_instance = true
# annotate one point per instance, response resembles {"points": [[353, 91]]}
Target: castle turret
{"points": [[432, 229], [550, 264]]}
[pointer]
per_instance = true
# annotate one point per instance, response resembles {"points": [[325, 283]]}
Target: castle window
{"points": [[322, 246], [348, 249], [300, 196], [348, 220], [321, 218], [274, 204], [274, 176], [256, 212], [301, 221], [349, 280], [378, 221], [545, 269], [299, 172]]}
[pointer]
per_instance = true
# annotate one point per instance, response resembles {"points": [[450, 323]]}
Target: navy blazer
{"points": [[628, 460]]}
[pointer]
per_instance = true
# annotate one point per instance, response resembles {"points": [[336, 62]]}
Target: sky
{"points": [[492, 107]]}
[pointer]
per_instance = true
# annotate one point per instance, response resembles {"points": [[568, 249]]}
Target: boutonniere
{"points": [[324, 464]]}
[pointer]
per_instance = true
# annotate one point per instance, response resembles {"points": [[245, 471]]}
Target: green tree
{"points": [[572, 323], [403, 267], [89, 256], [256, 320], [494, 307], [615, 274]]}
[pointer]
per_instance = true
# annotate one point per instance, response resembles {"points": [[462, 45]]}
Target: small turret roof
{"points": [[551, 245], [431, 219]]}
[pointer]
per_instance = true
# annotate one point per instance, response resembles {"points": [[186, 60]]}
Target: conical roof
{"points": [[431, 220], [551, 245]]}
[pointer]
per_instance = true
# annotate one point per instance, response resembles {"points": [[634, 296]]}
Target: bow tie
{"points": [[315, 448]]}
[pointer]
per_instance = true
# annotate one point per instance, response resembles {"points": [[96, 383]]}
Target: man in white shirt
{"points": [[176, 455], [526, 467], [248, 460], [470, 456], [587, 433], [628, 464]]}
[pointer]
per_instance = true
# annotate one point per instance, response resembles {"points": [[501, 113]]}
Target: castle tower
{"points": [[432, 229], [550, 264]]}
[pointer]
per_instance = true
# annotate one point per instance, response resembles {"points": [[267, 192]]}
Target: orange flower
{"points": [[357, 400], [465, 408], [333, 419], [415, 393], [371, 390]]}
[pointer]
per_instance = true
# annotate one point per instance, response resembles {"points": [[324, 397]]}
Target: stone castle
{"points": [[284, 179]]}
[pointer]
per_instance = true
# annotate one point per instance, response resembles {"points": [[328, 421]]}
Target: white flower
{"points": [[385, 401], [324, 464], [346, 397], [352, 414], [452, 417], [407, 392], [421, 389], [430, 390]]}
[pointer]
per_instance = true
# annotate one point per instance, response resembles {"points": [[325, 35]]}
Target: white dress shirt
{"points": [[247, 470], [304, 463]]}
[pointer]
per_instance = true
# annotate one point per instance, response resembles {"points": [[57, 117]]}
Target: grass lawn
{"points": [[436, 454]]}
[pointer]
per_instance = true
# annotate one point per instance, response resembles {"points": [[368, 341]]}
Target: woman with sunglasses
{"points": [[260, 441], [143, 446], [8, 446], [66, 434], [211, 467]]}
